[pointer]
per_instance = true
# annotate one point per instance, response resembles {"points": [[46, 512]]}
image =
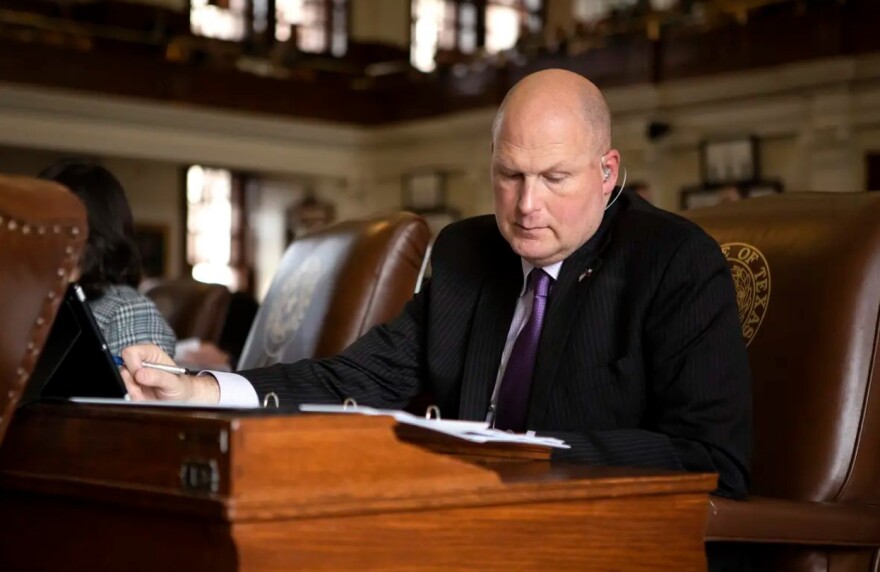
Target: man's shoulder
{"points": [[473, 245], [478, 234], [471, 227], [646, 225]]}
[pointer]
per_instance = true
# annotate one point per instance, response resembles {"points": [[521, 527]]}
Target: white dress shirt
{"points": [[235, 390]]}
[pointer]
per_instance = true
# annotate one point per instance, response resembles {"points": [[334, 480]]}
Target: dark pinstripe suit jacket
{"points": [[641, 360]]}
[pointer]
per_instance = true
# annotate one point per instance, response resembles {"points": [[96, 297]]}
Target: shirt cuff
{"points": [[235, 390]]}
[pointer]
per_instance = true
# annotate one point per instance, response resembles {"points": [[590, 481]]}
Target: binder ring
{"points": [[432, 409], [266, 399], [349, 402]]}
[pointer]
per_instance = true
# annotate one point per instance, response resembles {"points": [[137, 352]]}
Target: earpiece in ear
{"points": [[606, 171]]}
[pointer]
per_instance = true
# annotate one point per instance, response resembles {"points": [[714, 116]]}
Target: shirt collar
{"points": [[552, 270]]}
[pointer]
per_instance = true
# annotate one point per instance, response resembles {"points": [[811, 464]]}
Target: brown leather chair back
{"points": [[807, 274], [334, 285], [43, 228], [193, 309]]}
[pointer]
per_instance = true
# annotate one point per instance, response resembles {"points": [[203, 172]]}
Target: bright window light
{"points": [[427, 21], [209, 224], [502, 28], [213, 22]]}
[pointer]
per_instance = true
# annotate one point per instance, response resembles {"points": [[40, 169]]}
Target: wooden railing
{"points": [[772, 36]]}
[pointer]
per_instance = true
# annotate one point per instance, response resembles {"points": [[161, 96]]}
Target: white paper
{"points": [[474, 431], [151, 403]]}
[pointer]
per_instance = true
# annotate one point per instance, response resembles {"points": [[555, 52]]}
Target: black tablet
{"points": [[75, 361]]}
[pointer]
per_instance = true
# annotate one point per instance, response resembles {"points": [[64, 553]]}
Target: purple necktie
{"points": [[513, 396]]}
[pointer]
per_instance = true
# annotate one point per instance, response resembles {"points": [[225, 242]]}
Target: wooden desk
{"points": [[162, 489]]}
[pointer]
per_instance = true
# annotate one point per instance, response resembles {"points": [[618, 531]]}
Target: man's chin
{"points": [[532, 253]]}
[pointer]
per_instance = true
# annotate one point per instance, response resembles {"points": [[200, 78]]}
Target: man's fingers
{"points": [[151, 383], [154, 378], [135, 392], [161, 385], [134, 356]]}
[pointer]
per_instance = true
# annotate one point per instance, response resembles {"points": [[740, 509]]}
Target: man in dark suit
{"points": [[574, 311]]}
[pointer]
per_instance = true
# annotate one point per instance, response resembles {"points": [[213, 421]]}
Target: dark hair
{"points": [[111, 254]]}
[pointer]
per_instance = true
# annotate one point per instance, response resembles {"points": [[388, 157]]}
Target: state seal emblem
{"points": [[751, 277], [289, 308]]}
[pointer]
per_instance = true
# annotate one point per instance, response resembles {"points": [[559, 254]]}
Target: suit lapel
{"points": [[565, 301], [566, 297], [492, 318]]}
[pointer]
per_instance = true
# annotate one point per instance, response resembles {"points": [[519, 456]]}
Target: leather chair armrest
{"points": [[768, 520]]}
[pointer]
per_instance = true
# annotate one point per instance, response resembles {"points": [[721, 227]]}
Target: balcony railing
{"points": [[138, 64]]}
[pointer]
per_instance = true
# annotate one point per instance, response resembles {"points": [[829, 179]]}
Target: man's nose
{"points": [[527, 202]]}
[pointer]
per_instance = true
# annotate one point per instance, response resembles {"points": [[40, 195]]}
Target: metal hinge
{"points": [[200, 476]]}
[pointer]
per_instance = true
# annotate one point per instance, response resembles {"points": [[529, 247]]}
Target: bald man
{"points": [[576, 311]]}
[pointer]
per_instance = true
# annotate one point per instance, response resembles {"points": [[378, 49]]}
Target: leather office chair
{"points": [[193, 309], [334, 285], [43, 228], [807, 273]]}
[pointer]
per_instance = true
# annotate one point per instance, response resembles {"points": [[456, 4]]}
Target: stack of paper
{"points": [[474, 431]]}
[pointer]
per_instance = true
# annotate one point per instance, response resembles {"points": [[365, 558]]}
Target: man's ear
{"points": [[611, 164]]}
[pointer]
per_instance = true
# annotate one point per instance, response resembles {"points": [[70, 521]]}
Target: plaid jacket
{"points": [[127, 317]]}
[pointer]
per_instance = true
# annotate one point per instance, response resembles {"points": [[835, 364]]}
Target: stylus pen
{"points": [[176, 370]]}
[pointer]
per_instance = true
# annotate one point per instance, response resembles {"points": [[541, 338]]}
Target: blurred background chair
{"points": [[43, 229], [807, 272], [239, 319], [334, 285], [193, 309]]}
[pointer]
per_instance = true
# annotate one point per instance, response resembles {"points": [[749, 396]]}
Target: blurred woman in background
{"points": [[110, 265]]}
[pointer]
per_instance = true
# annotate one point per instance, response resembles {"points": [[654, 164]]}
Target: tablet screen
{"points": [[75, 361]]}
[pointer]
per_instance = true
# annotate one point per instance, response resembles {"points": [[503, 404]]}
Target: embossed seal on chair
{"points": [[288, 310], [751, 277], [333, 285]]}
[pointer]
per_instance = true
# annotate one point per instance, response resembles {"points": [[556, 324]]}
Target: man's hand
{"points": [[146, 383]]}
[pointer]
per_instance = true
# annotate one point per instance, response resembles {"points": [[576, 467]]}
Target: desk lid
{"points": [[43, 228], [259, 465]]}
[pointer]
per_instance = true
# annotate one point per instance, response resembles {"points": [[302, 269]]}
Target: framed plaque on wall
{"points": [[730, 161], [424, 190], [424, 193]]}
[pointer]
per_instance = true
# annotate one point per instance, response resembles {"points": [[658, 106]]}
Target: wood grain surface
{"points": [[102, 486]]}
